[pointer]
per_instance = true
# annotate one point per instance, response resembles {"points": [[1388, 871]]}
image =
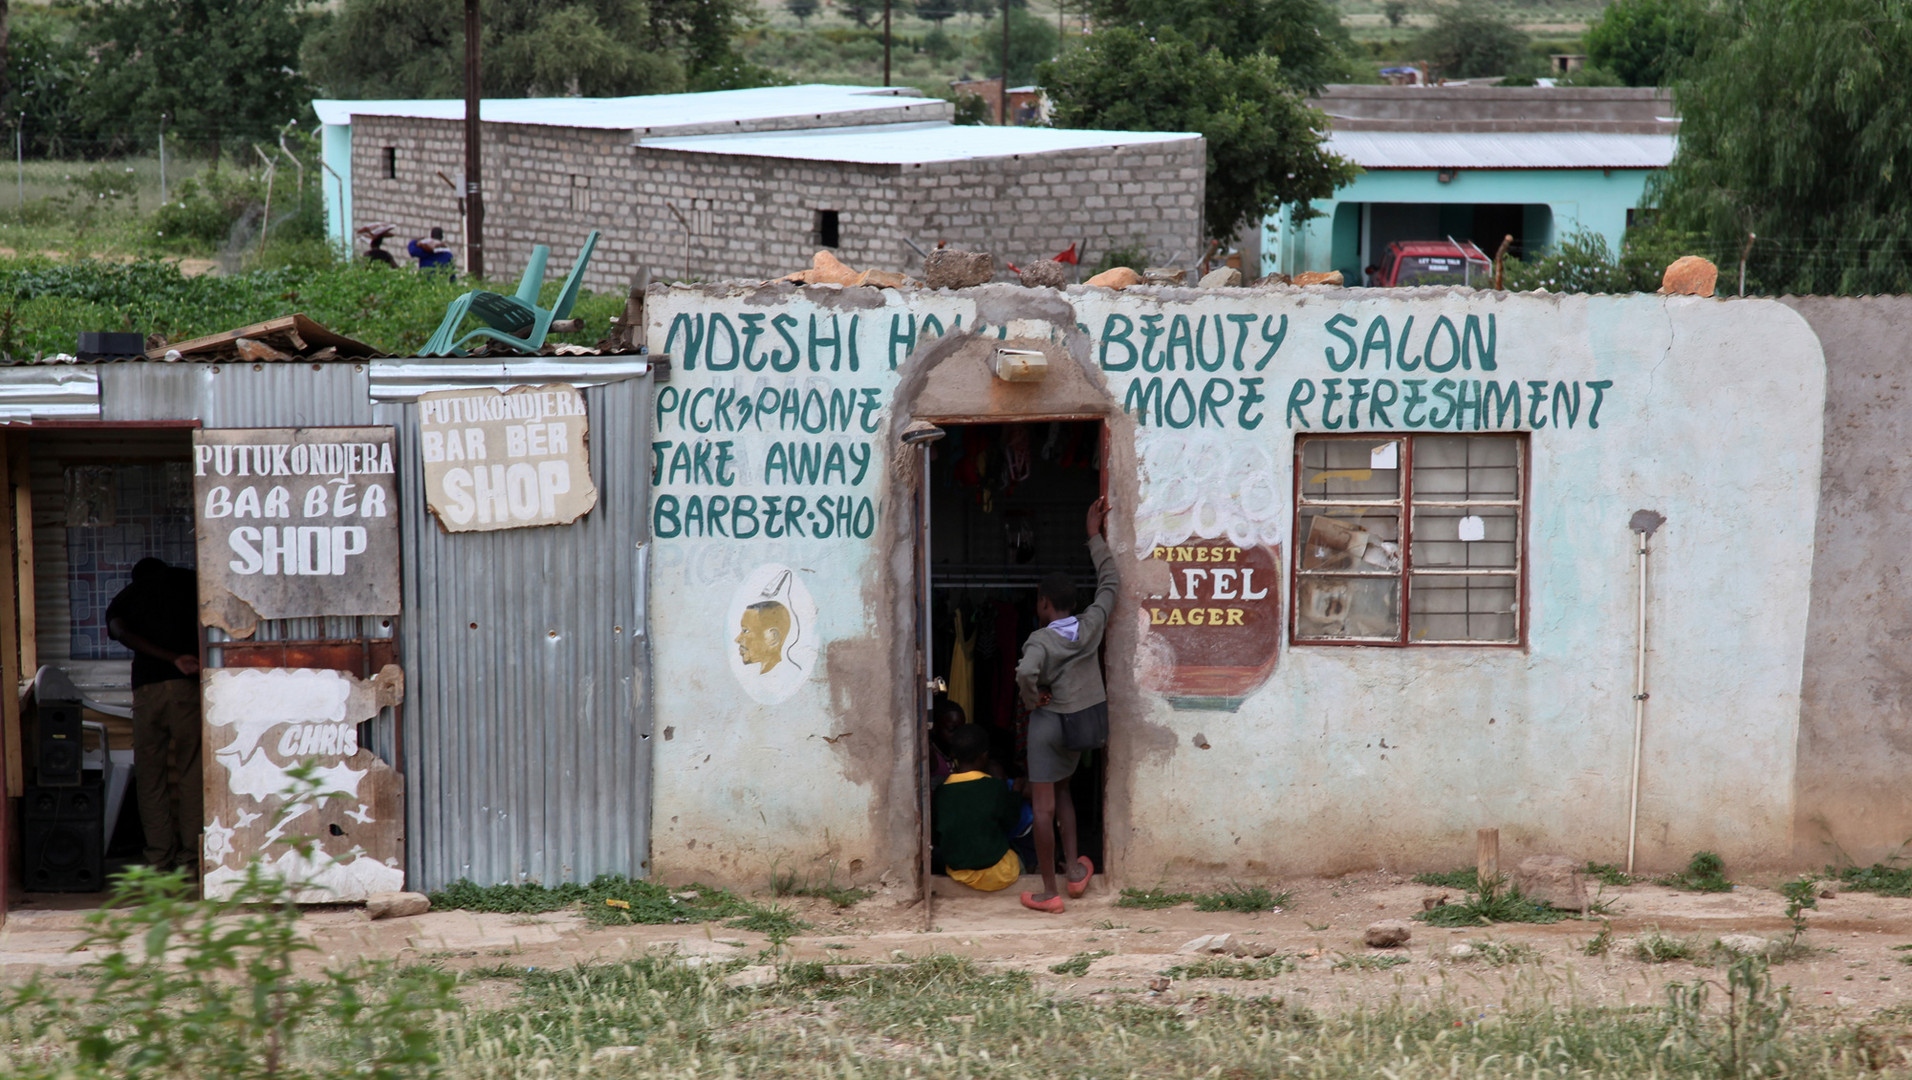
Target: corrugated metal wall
{"points": [[527, 701], [286, 394]]}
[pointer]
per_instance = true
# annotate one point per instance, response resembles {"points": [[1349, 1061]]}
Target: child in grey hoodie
{"points": [[1060, 675]]}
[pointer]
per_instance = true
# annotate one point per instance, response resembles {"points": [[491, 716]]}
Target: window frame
{"points": [[1523, 461], [390, 163]]}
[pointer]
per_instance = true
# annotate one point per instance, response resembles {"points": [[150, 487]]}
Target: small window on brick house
{"points": [[829, 232], [1410, 539], [391, 163], [580, 194]]}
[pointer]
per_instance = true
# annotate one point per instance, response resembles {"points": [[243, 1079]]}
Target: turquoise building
{"points": [[1479, 164]]}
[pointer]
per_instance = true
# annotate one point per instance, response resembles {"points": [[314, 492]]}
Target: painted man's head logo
{"points": [[764, 630]]}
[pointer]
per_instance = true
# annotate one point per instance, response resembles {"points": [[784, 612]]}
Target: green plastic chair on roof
{"points": [[517, 320]]}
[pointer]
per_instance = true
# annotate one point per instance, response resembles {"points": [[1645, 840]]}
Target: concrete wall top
{"points": [[779, 477]]}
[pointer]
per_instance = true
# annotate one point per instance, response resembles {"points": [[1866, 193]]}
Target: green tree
{"points": [[1265, 145], [1305, 35], [1396, 11], [936, 10], [532, 48], [216, 67], [861, 12], [1644, 42], [1470, 39], [1032, 42], [1797, 126], [802, 9]]}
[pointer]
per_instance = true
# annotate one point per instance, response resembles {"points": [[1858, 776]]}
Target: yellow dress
{"points": [[962, 671]]}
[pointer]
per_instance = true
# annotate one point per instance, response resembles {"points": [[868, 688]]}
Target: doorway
{"points": [[1007, 504]]}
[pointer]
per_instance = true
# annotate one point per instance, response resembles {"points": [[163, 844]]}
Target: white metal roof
{"points": [[1502, 150], [910, 144], [647, 111]]}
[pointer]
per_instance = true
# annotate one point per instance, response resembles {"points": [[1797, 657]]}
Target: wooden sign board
{"points": [[505, 460], [293, 523], [259, 722]]}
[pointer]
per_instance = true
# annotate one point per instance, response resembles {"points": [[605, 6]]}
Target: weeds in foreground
{"points": [[1654, 947], [1078, 965], [1705, 872], [1224, 967], [1743, 1037], [1498, 902], [185, 987], [1152, 899], [1243, 898]]}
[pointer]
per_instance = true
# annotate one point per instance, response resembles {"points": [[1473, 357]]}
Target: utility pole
{"points": [[886, 42], [1002, 99], [474, 199]]}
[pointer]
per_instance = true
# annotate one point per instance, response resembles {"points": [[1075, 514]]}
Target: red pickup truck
{"points": [[1452, 262]]}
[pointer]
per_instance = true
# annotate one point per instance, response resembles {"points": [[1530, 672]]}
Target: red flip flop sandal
{"points": [[1053, 905], [1077, 888]]}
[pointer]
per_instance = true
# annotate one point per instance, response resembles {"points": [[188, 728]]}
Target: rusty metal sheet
{"points": [[514, 459], [259, 722], [295, 522]]}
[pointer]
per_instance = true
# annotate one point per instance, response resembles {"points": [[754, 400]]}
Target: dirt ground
{"points": [[1856, 967]]}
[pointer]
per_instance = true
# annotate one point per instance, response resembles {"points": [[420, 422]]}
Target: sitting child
{"points": [[975, 815]]}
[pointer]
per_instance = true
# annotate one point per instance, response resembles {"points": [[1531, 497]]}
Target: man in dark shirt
{"points": [[157, 616]]}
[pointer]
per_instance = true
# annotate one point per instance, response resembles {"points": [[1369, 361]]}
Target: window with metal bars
{"points": [[1410, 539]]}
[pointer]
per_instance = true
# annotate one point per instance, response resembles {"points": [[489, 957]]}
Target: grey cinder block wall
{"points": [[759, 217]]}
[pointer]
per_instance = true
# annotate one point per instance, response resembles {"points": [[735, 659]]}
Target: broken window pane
{"points": [[1457, 607], [1351, 539], [1345, 469], [1441, 537], [1342, 608]]}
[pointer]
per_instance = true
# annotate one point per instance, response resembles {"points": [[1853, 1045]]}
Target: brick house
{"points": [[749, 183]]}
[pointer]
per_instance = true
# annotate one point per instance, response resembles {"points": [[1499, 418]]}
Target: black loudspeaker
{"points": [[64, 829], [60, 744]]}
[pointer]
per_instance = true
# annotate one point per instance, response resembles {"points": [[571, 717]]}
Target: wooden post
{"points": [[1486, 856]]}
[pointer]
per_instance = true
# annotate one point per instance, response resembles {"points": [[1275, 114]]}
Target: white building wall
{"points": [[1346, 756]]}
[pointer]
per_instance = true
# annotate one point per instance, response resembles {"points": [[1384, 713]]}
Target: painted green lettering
{"points": [[1334, 327]]}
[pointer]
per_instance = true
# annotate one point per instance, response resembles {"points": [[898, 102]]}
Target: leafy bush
{"points": [[1883, 878], [1654, 947], [1705, 872], [45, 304], [1493, 902], [1464, 878]]}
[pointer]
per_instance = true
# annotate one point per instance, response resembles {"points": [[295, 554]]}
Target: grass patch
{"points": [[1224, 967], [1466, 878], [1601, 943], [1152, 899], [1654, 947], [1369, 961], [1078, 965], [614, 900], [1496, 904], [843, 896], [1242, 898], [1885, 879], [1705, 872], [45, 304], [1502, 953], [1609, 874]]}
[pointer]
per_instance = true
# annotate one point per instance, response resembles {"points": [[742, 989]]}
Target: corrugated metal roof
{"points": [[65, 391], [910, 144], [1502, 150], [649, 111]]}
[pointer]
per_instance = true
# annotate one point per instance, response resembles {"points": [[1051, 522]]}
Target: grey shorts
{"points": [[1049, 759]]}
